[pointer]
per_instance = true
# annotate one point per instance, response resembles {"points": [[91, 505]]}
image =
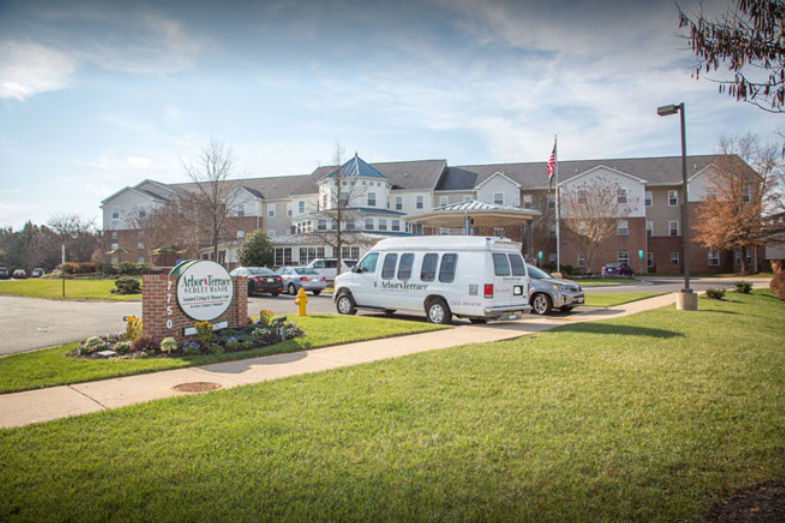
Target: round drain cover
{"points": [[197, 386]]}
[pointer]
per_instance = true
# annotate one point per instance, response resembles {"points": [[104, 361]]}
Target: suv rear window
{"points": [[388, 268], [447, 269], [501, 265], [518, 268], [428, 271]]}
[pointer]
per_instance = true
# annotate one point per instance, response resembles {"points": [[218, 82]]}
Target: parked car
{"points": [[617, 269], [20, 274], [548, 292], [328, 267], [444, 276], [296, 277], [37, 273], [4, 275], [260, 280]]}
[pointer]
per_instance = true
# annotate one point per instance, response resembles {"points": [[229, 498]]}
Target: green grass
{"points": [[74, 289], [611, 300], [50, 367], [650, 418]]}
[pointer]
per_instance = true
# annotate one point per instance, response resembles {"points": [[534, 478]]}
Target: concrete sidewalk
{"points": [[40, 405]]}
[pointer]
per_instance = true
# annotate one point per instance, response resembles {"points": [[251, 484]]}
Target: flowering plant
{"points": [[266, 317], [204, 330], [133, 328]]}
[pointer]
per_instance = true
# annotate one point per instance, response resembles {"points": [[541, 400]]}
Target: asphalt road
{"points": [[28, 324]]}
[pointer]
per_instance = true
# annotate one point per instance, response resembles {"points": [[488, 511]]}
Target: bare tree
{"points": [[590, 212], [206, 205], [79, 235], [750, 42], [541, 228], [732, 216], [337, 208]]}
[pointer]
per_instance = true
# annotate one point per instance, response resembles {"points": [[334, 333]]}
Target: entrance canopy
{"points": [[473, 214]]}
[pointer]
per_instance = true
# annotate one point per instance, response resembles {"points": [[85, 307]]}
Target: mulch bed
{"points": [[758, 504]]}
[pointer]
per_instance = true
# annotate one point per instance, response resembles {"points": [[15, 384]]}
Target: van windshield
{"points": [[368, 264]]}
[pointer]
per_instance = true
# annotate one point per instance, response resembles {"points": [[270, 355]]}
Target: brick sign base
{"points": [[162, 317]]}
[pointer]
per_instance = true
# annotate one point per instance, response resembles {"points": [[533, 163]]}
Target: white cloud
{"points": [[29, 68]]}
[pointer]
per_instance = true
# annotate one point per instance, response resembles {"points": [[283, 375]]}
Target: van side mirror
{"points": [[357, 270]]}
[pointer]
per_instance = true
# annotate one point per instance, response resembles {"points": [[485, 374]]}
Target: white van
{"points": [[465, 276], [328, 267]]}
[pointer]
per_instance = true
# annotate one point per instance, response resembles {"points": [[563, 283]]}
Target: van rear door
{"points": [[520, 290], [502, 280]]}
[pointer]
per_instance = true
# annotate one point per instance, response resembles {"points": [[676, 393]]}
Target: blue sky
{"points": [[95, 96]]}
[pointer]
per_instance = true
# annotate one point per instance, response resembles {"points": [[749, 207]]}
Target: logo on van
{"points": [[403, 286]]}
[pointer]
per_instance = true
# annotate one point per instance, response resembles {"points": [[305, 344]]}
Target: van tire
{"points": [[346, 305], [541, 304], [389, 311], [438, 312]]}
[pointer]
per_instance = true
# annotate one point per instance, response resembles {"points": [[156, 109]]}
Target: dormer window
{"points": [[371, 199], [241, 209]]}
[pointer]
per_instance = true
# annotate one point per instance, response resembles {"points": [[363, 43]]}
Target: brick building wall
{"points": [[159, 305]]}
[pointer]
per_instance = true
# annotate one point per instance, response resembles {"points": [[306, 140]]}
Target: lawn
{"points": [[74, 289], [653, 417], [611, 300], [50, 367]]}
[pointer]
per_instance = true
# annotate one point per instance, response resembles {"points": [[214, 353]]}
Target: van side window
{"points": [[428, 271], [501, 265], [318, 265], [518, 268], [330, 264], [388, 269], [405, 267], [447, 270], [368, 264]]}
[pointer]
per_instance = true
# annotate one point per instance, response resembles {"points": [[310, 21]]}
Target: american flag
{"points": [[551, 163]]}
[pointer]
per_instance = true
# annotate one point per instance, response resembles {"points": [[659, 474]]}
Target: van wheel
{"points": [[316, 293], [438, 312], [478, 320], [292, 289], [389, 311], [345, 304], [542, 304]]}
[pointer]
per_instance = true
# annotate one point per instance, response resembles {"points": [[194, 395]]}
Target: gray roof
{"points": [[270, 188], [656, 171], [420, 174], [357, 168]]}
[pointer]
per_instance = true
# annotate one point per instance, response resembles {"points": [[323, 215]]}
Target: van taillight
{"points": [[324, 279], [489, 290]]}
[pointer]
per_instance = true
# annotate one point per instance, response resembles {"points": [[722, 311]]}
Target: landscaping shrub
{"points": [[777, 285], [715, 294], [569, 270], [169, 345], [743, 287], [146, 343], [79, 268], [127, 285]]}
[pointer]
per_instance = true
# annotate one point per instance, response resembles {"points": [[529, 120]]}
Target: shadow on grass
{"points": [[621, 330]]}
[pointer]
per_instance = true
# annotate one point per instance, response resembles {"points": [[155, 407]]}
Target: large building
{"points": [[294, 210]]}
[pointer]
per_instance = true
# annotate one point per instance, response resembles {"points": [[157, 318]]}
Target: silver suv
{"points": [[547, 293]]}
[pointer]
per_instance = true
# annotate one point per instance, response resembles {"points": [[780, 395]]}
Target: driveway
{"points": [[27, 324]]}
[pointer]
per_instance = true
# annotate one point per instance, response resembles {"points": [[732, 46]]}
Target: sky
{"points": [[96, 96]]}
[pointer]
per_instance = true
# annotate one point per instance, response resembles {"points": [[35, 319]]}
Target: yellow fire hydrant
{"points": [[300, 301]]}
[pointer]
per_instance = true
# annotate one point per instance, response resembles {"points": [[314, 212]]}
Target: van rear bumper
{"points": [[492, 312]]}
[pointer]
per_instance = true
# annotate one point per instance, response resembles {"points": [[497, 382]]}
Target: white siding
{"points": [[512, 193], [635, 189]]}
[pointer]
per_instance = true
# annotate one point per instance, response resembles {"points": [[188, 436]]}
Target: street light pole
{"points": [[686, 299]]}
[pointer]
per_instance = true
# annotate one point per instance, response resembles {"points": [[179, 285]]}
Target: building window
{"points": [[649, 199], [289, 210], [621, 195], [398, 203], [623, 257], [382, 224], [467, 199], [283, 256], [142, 210], [115, 212], [140, 259], [321, 224], [350, 225], [350, 253], [309, 254], [444, 231], [240, 235], [675, 258], [582, 228], [650, 259], [345, 196], [115, 246], [396, 225], [444, 200], [714, 259], [649, 228], [582, 195], [673, 199], [271, 233], [581, 260], [746, 196], [527, 200], [240, 211], [498, 232], [623, 228], [301, 206], [140, 245], [673, 228], [271, 210], [115, 235], [552, 231], [324, 201], [371, 199], [498, 198], [551, 202], [419, 200], [408, 227], [711, 193], [369, 224]]}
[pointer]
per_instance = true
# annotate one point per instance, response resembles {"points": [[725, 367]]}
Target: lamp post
{"points": [[686, 299]]}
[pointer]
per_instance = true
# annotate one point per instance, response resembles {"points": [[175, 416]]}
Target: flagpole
{"points": [[558, 214]]}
